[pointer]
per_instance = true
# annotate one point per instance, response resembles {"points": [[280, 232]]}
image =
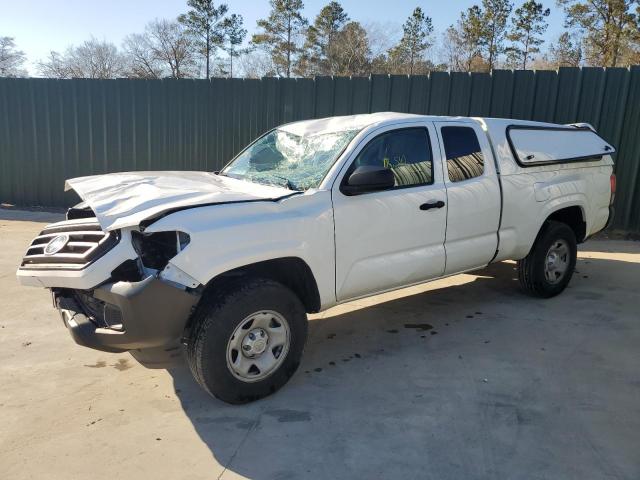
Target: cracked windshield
{"points": [[296, 162]]}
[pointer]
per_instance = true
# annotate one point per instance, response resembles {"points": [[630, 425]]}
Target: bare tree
{"points": [[91, 59], [11, 59], [165, 49], [463, 43], [257, 64], [565, 52], [382, 36], [451, 49], [351, 55], [141, 57]]}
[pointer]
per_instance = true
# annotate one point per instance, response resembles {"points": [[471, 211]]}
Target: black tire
{"points": [[531, 269], [217, 317]]}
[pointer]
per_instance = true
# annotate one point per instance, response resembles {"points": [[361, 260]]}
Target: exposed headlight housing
{"points": [[157, 248]]}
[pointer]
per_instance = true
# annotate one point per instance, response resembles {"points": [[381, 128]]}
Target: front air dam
{"points": [[154, 314]]}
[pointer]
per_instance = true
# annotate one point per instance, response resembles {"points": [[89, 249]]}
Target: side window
{"points": [[406, 152], [464, 156]]}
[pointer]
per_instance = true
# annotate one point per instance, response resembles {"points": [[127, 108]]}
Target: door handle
{"points": [[430, 205]]}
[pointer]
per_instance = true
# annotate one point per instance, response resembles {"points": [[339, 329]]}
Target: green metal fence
{"points": [[51, 130]]}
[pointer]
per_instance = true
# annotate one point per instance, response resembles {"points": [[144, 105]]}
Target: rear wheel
{"points": [[247, 340], [548, 268]]}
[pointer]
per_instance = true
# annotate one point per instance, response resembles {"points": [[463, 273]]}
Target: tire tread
{"points": [[205, 318], [527, 267]]}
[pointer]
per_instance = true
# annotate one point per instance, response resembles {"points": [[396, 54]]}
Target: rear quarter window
{"points": [[464, 155]]}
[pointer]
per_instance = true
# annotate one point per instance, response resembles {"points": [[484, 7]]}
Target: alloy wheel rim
{"points": [[556, 261], [258, 346]]}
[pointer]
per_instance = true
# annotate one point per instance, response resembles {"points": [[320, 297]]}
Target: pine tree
{"points": [[234, 35], [416, 39], [495, 14], [564, 52], [463, 42], [320, 49], [609, 27], [205, 22], [527, 26], [280, 31]]}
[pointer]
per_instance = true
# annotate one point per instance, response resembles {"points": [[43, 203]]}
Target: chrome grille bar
{"points": [[86, 242]]}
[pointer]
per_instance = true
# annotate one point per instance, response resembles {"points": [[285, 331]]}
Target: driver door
{"points": [[395, 237]]}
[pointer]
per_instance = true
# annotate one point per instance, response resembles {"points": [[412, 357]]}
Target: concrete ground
{"points": [[502, 387]]}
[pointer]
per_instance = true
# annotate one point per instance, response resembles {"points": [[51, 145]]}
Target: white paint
{"points": [[355, 246], [383, 239], [474, 211], [125, 199]]}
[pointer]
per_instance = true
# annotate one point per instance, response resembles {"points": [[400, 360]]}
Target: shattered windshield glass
{"points": [[297, 162]]}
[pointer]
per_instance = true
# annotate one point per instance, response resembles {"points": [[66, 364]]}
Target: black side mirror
{"points": [[368, 178]]}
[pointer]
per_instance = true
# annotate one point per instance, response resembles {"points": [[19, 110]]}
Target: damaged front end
{"points": [[121, 316], [115, 290]]}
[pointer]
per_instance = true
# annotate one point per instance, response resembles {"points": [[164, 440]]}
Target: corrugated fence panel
{"points": [[419, 96], [342, 96], [379, 99], [591, 94], [361, 91], [628, 160], [51, 130], [481, 89], [569, 83], [523, 94], [502, 93], [324, 97], [460, 94], [545, 94], [440, 83]]}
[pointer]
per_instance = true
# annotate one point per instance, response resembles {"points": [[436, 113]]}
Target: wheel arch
{"points": [[574, 216], [292, 272]]}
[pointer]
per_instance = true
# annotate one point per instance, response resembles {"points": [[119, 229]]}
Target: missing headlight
{"points": [[156, 249]]}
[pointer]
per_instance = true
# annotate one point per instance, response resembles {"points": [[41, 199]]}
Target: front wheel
{"points": [[548, 268], [247, 340]]}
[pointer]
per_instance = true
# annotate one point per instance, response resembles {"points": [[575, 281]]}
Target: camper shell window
{"points": [[533, 145]]}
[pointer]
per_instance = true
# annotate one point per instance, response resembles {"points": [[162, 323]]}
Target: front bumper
{"points": [[153, 314]]}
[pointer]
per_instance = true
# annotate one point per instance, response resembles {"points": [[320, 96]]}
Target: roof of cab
{"points": [[358, 122], [353, 122]]}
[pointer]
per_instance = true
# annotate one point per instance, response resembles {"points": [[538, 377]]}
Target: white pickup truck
{"points": [[310, 215]]}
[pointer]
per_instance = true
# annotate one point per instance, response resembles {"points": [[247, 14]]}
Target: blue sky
{"points": [[40, 26]]}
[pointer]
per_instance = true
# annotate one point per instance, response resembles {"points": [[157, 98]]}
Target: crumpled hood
{"points": [[125, 199]]}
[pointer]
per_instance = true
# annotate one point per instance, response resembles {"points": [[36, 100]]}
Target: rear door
{"points": [[473, 196]]}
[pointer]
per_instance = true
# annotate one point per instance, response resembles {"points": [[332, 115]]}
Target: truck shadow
{"points": [[440, 380]]}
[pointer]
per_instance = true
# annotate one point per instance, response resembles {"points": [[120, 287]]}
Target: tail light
{"points": [[613, 188]]}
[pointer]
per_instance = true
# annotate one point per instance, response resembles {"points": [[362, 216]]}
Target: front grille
{"points": [[87, 242]]}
